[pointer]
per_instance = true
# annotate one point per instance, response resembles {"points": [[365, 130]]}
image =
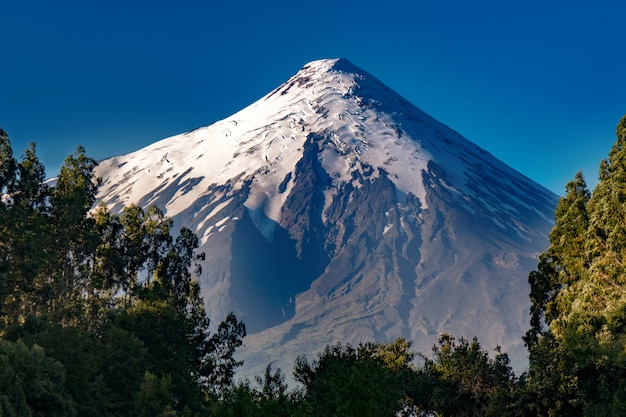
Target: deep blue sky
{"points": [[539, 84]]}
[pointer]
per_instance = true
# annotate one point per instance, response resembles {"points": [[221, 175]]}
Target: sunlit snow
{"points": [[453, 216]]}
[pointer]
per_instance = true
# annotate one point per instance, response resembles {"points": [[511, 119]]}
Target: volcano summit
{"points": [[332, 209]]}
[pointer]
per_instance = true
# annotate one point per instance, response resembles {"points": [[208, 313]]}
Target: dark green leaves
{"points": [[578, 293], [111, 297], [32, 384]]}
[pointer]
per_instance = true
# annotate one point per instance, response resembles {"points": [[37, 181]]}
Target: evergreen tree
{"points": [[89, 286], [7, 179], [25, 228], [566, 260], [7, 164], [75, 239], [578, 314]]}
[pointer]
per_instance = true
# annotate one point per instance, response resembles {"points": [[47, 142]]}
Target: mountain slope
{"points": [[334, 210]]}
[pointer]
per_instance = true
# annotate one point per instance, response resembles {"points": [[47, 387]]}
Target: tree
{"points": [[565, 262], [31, 384], [218, 366], [25, 231], [349, 382], [396, 356], [89, 286], [577, 338], [156, 397], [164, 333], [463, 381], [75, 239], [271, 398], [8, 167], [80, 354], [241, 400]]}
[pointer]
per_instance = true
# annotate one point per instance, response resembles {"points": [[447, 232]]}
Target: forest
{"points": [[100, 315]]}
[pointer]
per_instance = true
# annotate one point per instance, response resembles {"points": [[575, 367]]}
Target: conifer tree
{"points": [[7, 178], [74, 235], [25, 228], [565, 262], [577, 340], [89, 286], [7, 164]]}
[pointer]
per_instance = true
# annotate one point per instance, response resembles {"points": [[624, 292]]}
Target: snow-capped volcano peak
{"points": [[323, 99], [359, 121], [333, 209]]}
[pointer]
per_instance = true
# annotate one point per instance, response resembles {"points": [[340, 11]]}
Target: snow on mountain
{"points": [[334, 210]]}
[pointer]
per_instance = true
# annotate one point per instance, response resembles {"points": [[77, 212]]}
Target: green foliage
{"points": [[103, 371], [169, 350], [379, 379], [395, 356], [271, 398], [240, 400], [25, 230], [220, 351], [110, 297], [355, 382], [7, 164], [463, 381], [577, 340], [31, 384], [272, 384], [156, 396]]}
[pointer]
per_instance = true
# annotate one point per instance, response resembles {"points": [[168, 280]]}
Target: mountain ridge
{"points": [[332, 209]]}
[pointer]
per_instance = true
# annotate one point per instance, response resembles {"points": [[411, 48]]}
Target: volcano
{"points": [[332, 209]]}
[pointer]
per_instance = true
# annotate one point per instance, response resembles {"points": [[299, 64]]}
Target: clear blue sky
{"points": [[539, 84]]}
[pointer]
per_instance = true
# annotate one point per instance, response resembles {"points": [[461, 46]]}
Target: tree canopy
{"points": [[106, 303], [577, 340]]}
